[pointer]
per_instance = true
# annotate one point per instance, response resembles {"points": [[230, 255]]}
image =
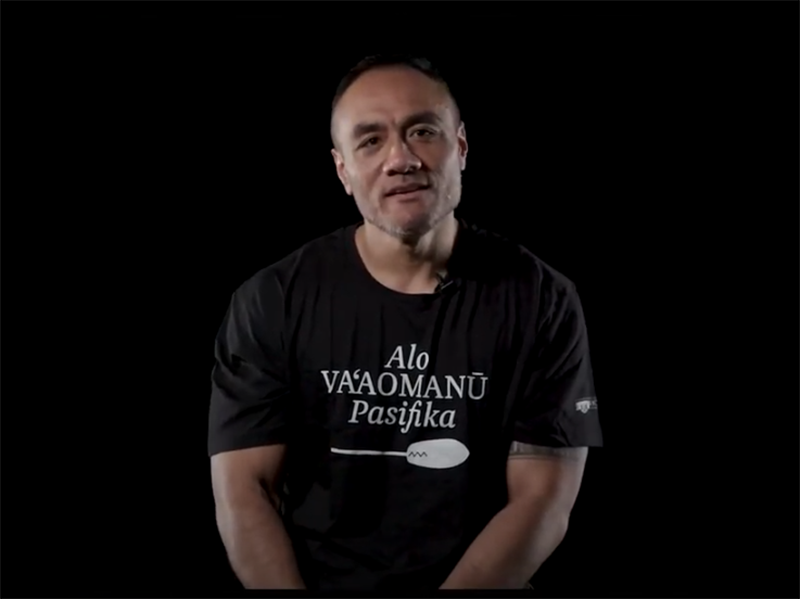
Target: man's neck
{"points": [[409, 266]]}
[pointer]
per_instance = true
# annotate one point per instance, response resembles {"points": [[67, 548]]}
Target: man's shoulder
{"points": [[311, 260], [503, 257]]}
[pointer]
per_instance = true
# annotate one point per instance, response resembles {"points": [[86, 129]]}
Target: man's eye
{"points": [[369, 142], [423, 132]]}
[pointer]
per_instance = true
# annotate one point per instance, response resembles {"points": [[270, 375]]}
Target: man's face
{"points": [[400, 150]]}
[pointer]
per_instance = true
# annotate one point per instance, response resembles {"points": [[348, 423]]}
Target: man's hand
{"points": [[543, 483]]}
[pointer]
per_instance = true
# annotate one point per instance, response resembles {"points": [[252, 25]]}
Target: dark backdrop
{"points": [[155, 157]]}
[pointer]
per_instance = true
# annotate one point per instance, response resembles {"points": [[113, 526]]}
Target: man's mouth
{"points": [[406, 189]]}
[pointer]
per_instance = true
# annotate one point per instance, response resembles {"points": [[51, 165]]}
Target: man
{"points": [[405, 403]]}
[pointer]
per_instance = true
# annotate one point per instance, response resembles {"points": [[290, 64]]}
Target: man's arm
{"points": [[245, 486], [543, 483]]}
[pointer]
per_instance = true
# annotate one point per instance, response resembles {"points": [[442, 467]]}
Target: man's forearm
{"points": [[509, 550], [258, 546]]}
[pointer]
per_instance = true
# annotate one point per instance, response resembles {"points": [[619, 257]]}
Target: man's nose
{"points": [[401, 160]]}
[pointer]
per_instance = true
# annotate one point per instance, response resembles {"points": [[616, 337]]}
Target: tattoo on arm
{"points": [[539, 452]]}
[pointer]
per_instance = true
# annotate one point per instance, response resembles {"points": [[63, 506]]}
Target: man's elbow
{"points": [[545, 519], [562, 525], [557, 523], [249, 506]]}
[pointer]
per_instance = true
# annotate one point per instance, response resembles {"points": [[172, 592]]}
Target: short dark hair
{"points": [[418, 63]]}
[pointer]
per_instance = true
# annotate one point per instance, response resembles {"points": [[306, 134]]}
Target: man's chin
{"points": [[408, 226], [406, 229]]}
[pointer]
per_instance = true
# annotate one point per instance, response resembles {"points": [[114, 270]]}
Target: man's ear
{"points": [[340, 171], [461, 136]]}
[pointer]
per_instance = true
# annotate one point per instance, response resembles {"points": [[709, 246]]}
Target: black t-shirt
{"points": [[398, 410]]}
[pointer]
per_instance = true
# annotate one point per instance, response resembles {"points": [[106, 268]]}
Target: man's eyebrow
{"points": [[425, 117], [365, 128]]}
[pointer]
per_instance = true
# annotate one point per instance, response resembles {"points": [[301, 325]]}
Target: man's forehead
{"points": [[392, 95]]}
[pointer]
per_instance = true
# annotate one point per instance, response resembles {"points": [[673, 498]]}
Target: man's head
{"points": [[396, 127]]}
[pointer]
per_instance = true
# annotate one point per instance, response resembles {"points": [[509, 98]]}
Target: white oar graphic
{"points": [[435, 453]]}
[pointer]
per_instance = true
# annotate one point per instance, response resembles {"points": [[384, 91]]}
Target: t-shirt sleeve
{"points": [[558, 404], [249, 386]]}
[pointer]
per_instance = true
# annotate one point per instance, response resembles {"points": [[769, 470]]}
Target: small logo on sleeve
{"points": [[586, 404]]}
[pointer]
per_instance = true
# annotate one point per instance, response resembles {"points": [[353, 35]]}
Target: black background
{"points": [[155, 156]]}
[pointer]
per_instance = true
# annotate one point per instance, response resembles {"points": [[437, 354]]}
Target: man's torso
{"points": [[428, 379]]}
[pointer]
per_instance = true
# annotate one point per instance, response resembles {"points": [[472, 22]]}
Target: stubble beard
{"points": [[441, 209]]}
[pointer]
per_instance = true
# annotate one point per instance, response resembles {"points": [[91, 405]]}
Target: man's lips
{"points": [[406, 189]]}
